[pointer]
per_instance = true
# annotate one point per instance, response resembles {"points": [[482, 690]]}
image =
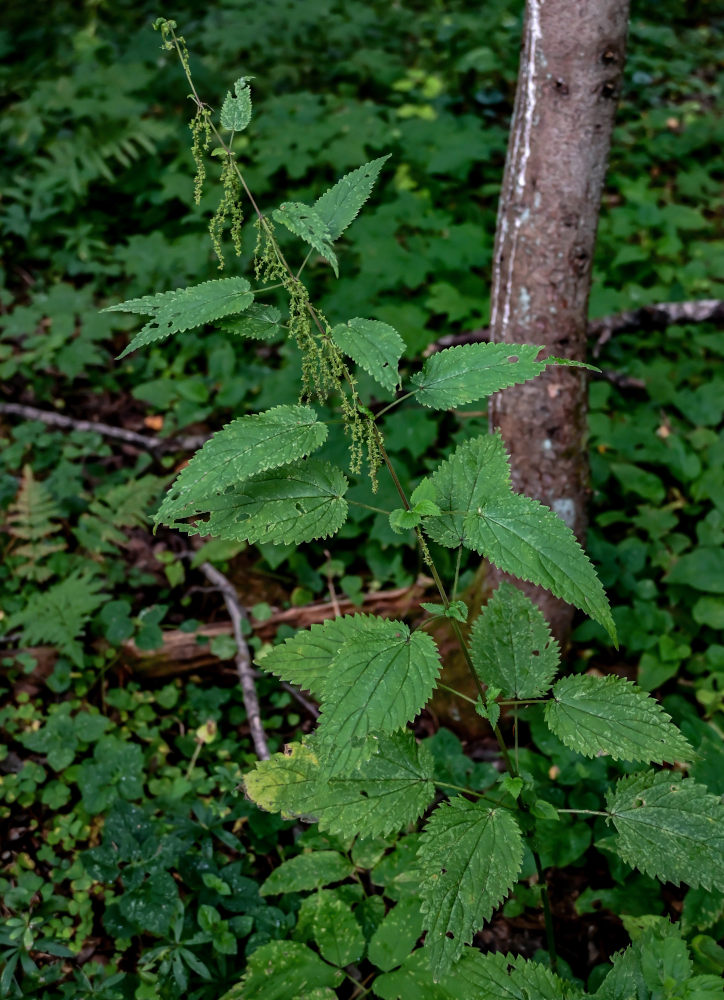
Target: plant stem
{"points": [[583, 812], [452, 690], [393, 404], [547, 915], [457, 573], [366, 506], [459, 788]]}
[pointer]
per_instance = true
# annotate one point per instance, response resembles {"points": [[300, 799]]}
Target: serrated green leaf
{"points": [[376, 347], [306, 658], [469, 858], [512, 647], [610, 715], [245, 447], [328, 919], [402, 520], [185, 308], [307, 871], [379, 681], [307, 224], [294, 504], [469, 372], [669, 828], [391, 789], [283, 969], [495, 976], [517, 534], [236, 109], [338, 207], [258, 322]]}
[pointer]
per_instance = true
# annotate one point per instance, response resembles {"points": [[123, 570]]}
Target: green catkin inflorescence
{"points": [[200, 126], [229, 207]]}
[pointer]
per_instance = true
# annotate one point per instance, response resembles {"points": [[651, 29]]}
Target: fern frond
{"points": [[32, 519]]}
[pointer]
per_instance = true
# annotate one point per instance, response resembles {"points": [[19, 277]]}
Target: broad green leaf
{"points": [[512, 647], [185, 308], [307, 871], [669, 828], [306, 658], [495, 976], [291, 505], [236, 109], [245, 447], [469, 858], [412, 981], [702, 569], [610, 715], [376, 347], [308, 225], [469, 372], [389, 791], [397, 935], [280, 970], [329, 921], [339, 206], [517, 534], [258, 322], [379, 681]]}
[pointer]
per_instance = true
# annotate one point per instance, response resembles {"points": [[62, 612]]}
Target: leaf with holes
{"points": [[279, 970], [297, 503], [307, 224], [236, 109], [338, 207], [376, 347], [669, 828], [185, 308], [389, 791], [258, 322], [379, 681], [512, 647], [469, 372], [245, 447], [518, 535], [469, 857], [610, 715]]}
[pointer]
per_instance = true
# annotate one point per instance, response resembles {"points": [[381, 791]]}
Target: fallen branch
{"points": [[243, 658], [148, 442], [657, 316]]}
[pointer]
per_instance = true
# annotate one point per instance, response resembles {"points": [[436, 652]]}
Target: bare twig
{"points": [[188, 442], [243, 658], [330, 585], [308, 705], [657, 316]]}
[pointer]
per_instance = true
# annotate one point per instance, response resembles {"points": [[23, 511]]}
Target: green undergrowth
{"points": [[133, 868]]}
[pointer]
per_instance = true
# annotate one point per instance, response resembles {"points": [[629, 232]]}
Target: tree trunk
{"points": [[568, 83]]}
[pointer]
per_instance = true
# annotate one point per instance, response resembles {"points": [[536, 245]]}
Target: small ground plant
{"points": [[362, 775]]}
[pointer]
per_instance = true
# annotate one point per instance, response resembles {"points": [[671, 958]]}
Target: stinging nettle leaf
{"points": [[245, 447], [669, 828], [306, 658], [379, 681], [512, 647], [377, 347], [307, 871], [392, 789], [469, 858], [338, 207], [236, 109], [185, 308], [258, 322], [610, 715], [517, 534], [495, 976], [294, 504], [469, 372], [306, 223], [279, 970]]}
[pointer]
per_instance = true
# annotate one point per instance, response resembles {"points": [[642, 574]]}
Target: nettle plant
{"points": [[362, 774]]}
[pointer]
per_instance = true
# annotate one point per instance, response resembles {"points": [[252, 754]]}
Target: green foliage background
{"points": [[97, 207]]}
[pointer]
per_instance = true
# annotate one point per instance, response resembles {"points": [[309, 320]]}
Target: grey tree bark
{"points": [[568, 83]]}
